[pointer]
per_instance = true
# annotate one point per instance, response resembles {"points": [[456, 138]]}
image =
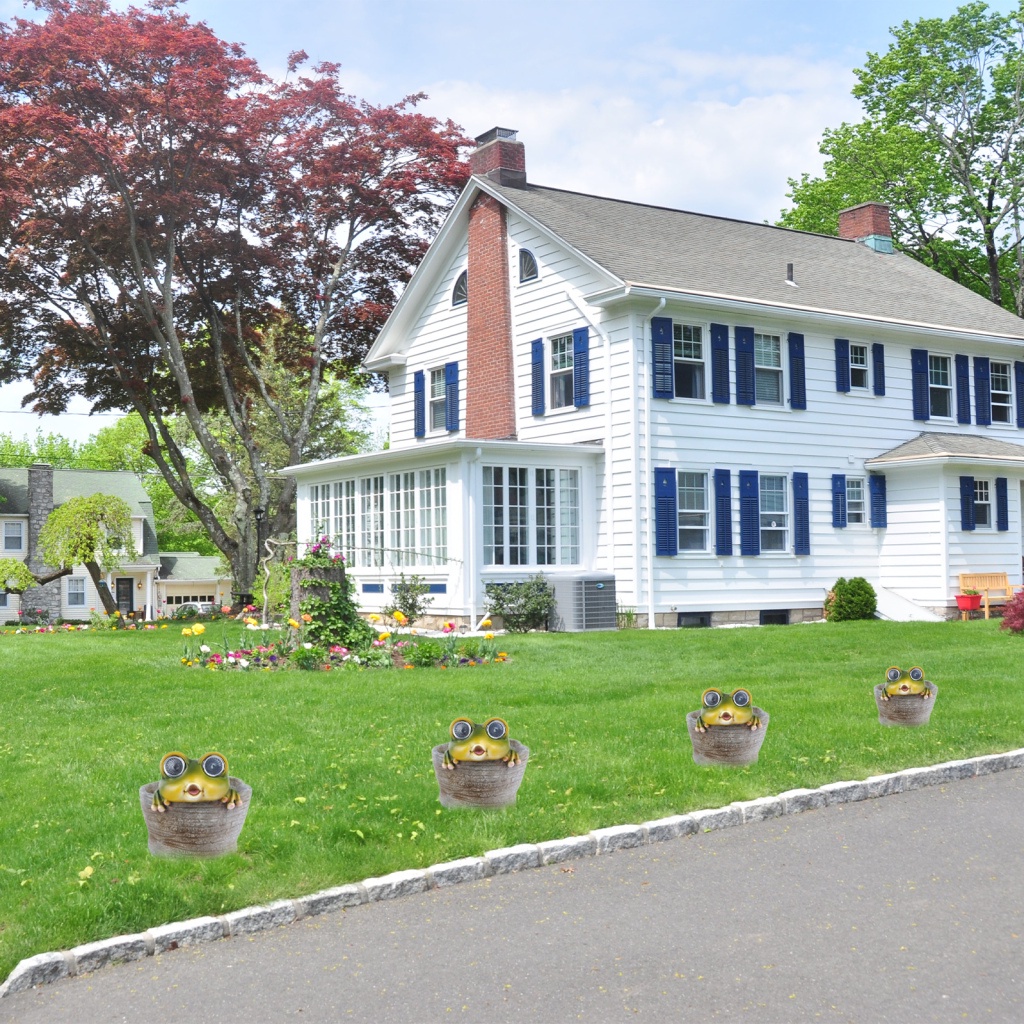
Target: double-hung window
{"points": [[1002, 396], [437, 399], [693, 511], [14, 536], [768, 369], [854, 499], [940, 386], [76, 591], [371, 521], [982, 505], [561, 371], [688, 360], [345, 519], [774, 513], [859, 367]]}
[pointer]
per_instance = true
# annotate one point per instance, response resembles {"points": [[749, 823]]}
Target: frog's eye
{"points": [[711, 698], [173, 765], [214, 765], [741, 698], [916, 674], [461, 729], [496, 728], [892, 674]]}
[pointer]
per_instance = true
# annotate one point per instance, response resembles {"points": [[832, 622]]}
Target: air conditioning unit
{"points": [[583, 602]]}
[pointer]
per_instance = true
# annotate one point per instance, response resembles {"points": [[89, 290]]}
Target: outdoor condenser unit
{"points": [[583, 602]]}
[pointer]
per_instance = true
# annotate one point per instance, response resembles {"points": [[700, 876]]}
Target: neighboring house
{"points": [[144, 587], [188, 577], [709, 419]]}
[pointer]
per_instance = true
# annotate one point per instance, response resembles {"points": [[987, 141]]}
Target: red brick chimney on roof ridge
{"points": [[490, 383], [867, 223]]}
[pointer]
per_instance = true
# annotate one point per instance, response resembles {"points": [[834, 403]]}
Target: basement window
{"points": [[693, 620], [774, 617]]}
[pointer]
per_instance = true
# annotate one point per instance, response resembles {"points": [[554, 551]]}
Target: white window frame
{"points": [[371, 521], [526, 257], [770, 369], [78, 592], [402, 487], [689, 352], [982, 505], [436, 403], [433, 514], [859, 372], [693, 511], [345, 520], [1004, 394], [774, 522], [936, 388], [856, 505], [560, 362], [460, 290], [319, 512], [9, 532]]}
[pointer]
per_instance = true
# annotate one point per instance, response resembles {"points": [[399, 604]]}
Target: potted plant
{"points": [[968, 601]]}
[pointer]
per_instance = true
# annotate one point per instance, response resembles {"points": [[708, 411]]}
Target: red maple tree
{"points": [[174, 225]]}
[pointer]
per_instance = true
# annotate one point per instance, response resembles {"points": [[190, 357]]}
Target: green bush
{"points": [[522, 606], [425, 653], [336, 619], [850, 599], [409, 596]]}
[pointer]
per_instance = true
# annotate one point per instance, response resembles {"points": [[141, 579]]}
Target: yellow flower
{"points": [[485, 624], [86, 872], [502, 654], [400, 618], [383, 636], [199, 629], [293, 624], [186, 631], [488, 636], [250, 621], [374, 618], [164, 626]]}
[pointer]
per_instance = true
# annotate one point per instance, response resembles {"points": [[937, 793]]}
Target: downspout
{"points": [[648, 460]]}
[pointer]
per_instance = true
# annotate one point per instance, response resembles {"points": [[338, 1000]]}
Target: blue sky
{"points": [[706, 106]]}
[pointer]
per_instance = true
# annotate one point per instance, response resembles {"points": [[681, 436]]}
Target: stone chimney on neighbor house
{"points": [[40, 505], [867, 223], [490, 384]]}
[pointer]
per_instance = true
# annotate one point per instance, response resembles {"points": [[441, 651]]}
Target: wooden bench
{"points": [[994, 587]]}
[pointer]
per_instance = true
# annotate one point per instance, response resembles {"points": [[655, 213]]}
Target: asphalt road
{"points": [[907, 908]]}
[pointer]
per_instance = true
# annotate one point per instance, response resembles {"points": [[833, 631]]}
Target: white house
{"points": [[701, 419]]}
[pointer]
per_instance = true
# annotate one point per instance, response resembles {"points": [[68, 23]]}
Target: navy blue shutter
{"points": [[801, 515], [797, 384], [723, 512], [1002, 506], [878, 358], [537, 375], [839, 500], [451, 396], [1018, 375], [419, 404], [661, 357], [744, 365], [879, 513], [963, 390], [750, 513], [967, 503], [720, 364], [982, 392], [666, 515], [581, 367], [919, 378], [842, 364]]}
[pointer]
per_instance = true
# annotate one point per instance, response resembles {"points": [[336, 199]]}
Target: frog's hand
{"points": [[883, 695], [700, 725], [755, 723], [233, 799], [513, 758], [159, 803], [927, 693], [449, 762]]}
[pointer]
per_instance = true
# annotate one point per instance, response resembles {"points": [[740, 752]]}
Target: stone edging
{"points": [[48, 967]]}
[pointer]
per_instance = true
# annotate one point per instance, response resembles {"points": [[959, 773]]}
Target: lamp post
{"points": [[260, 514]]}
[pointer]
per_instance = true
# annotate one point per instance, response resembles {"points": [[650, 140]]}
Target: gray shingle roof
{"points": [[932, 446], [673, 249], [179, 566]]}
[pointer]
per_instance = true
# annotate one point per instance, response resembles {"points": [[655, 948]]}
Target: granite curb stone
{"points": [[44, 968]]}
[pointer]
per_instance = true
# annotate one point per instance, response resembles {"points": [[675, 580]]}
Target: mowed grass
{"points": [[339, 763]]}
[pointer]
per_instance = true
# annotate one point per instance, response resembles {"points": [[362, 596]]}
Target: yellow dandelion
{"points": [[488, 636], [186, 631]]}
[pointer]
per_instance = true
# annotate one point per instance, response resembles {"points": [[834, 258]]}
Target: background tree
{"points": [[166, 210], [941, 144], [94, 531]]}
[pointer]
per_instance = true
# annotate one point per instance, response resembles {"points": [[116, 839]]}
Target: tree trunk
{"points": [[109, 604]]}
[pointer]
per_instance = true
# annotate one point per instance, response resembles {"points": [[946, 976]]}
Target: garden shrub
{"points": [[1013, 614], [336, 618], [409, 596], [425, 653], [850, 599], [524, 605]]}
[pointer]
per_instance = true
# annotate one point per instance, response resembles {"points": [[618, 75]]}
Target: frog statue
{"points": [[720, 708], [487, 742], [185, 781], [902, 683]]}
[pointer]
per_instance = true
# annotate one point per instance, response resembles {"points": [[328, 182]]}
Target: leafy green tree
{"points": [[52, 448], [94, 531], [941, 144]]}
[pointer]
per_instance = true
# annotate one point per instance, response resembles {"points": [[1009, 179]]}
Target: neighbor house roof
{"points": [[187, 566], [936, 447], [664, 249]]}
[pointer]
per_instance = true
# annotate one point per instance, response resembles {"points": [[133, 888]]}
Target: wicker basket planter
{"points": [[726, 744], [206, 829], [479, 783], [905, 708]]}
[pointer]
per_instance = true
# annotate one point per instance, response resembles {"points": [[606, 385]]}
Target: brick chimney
{"points": [[490, 382], [867, 223]]}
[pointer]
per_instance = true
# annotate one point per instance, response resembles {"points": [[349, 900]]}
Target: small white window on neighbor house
{"points": [[1002, 396], [854, 499], [940, 387], [774, 513], [437, 399], [688, 352], [76, 591], [561, 371], [768, 369], [982, 505], [14, 536], [692, 499], [859, 367]]}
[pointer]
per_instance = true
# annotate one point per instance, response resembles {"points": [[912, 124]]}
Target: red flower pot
{"points": [[968, 602]]}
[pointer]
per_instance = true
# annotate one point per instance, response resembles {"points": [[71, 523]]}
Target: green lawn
{"points": [[340, 762]]}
